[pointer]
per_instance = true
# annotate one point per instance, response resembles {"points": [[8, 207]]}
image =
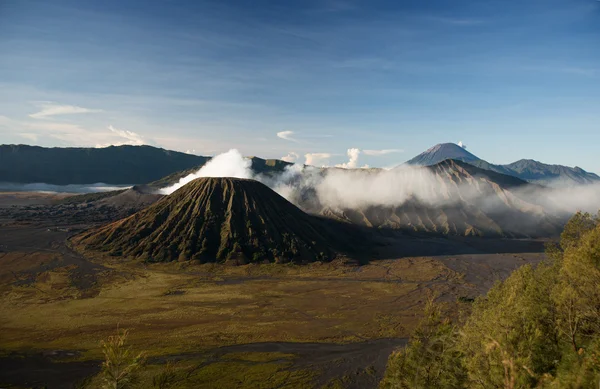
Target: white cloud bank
{"points": [[291, 157], [49, 188], [287, 135], [52, 109], [357, 188], [30, 136], [317, 159]]}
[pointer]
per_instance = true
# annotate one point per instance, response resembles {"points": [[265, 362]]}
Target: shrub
{"points": [[121, 363]]}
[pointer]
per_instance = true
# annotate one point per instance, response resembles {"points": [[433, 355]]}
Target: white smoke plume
{"points": [[353, 162], [351, 188], [229, 164], [360, 188], [461, 144]]}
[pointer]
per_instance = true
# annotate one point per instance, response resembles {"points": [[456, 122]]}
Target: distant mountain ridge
{"points": [[530, 170], [117, 165], [120, 165], [525, 169], [132, 165], [465, 201]]}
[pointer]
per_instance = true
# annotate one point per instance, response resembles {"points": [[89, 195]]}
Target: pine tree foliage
{"points": [[430, 360], [540, 328]]}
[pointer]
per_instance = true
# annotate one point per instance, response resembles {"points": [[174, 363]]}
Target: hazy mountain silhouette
{"points": [[468, 201], [78, 165], [525, 169], [117, 165]]}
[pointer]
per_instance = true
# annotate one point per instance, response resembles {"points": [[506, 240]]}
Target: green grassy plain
{"points": [[187, 313], [175, 308]]}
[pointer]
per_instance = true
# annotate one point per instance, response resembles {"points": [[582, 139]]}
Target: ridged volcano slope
{"points": [[217, 219]]}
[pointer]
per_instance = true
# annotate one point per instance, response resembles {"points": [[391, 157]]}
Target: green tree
{"points": [[538, 328], [580, 224], [578, 293], [432, 359], [509, 340]]}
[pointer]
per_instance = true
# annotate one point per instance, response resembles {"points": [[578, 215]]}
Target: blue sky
{"points": [[511, 79]]}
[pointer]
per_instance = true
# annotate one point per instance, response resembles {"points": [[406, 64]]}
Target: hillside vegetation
{"points": [[540, 328]]}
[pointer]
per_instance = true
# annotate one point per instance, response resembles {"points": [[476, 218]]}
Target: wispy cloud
{"points": [[287, 135], [63, 131], [66, 133], [131, 138], [574, 70], [291, 157], [75, 134], [580, 71], [377, 153], [51, 109], [28, 135], [317, 159]]}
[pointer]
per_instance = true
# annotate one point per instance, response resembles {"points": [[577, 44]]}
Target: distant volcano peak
{"points": [[442, 152]]}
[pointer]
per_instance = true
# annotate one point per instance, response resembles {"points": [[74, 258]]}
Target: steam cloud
{"points": [[229, 164], [360, 188], [353, 162]]}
